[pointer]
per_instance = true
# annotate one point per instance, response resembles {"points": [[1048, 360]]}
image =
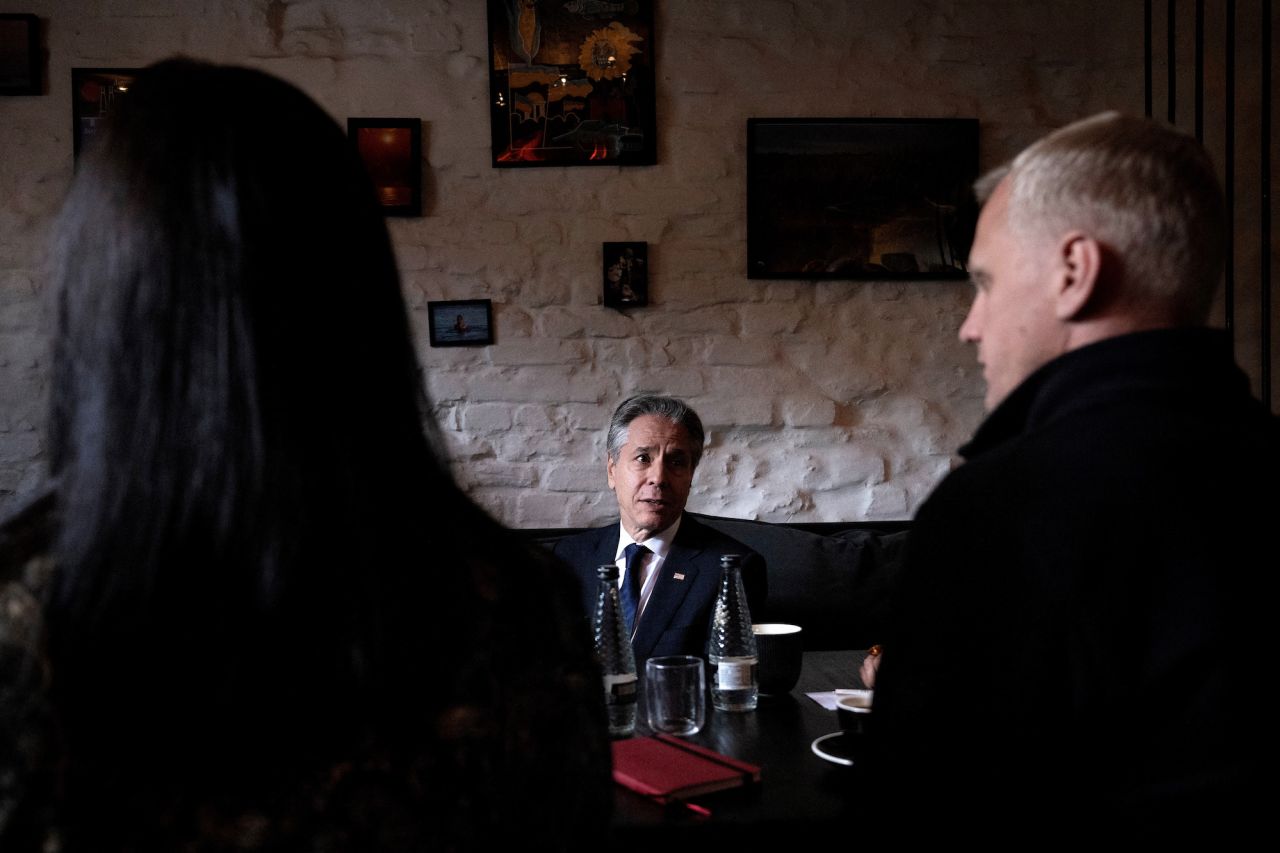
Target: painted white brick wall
{"points": [[824, 401]]}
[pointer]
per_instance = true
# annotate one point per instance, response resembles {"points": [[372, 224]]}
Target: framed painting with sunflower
{"points": [[571, 83]]}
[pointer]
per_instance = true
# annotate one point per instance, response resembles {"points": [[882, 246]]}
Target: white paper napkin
{"points": [[828, 699]]}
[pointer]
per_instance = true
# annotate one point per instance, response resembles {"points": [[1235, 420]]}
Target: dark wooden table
{"points": [[799, 792]]}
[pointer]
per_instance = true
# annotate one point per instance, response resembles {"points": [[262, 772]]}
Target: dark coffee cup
{"points": [[779, 649], [853, 713]]}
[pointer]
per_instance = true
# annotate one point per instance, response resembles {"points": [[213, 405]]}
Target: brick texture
{"points": [[832, 400]]}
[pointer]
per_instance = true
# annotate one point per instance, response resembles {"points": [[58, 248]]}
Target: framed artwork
{"points": [[626, 274], [94, 92], [20, 55], [460, 322], [860, 198], [391, 149], [571, 84]]}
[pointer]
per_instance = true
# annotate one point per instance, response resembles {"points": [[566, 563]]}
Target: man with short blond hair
{"points": [[1086, 604]]}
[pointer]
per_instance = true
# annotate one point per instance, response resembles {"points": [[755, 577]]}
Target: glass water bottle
{"points": [[613, 650], [731, 646]]}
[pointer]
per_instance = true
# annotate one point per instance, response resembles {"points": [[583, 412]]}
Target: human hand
{"points": [[867, 672]]}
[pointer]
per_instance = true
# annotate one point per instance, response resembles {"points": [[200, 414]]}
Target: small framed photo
{"points": [[391, 149], [626, 274], [461, 322], [20, 57], [94, 93]]}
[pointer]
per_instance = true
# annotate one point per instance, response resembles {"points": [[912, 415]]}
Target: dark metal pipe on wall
{"points": [[1146, 51], [1264, 172], [1242, 58], [1171, 54], [1199, 75], [1229, 161]]}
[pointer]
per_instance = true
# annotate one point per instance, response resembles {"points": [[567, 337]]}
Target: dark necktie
{"points": [[631, 584]]}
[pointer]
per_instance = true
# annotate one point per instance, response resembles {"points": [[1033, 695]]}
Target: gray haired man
{"points": [[669, 562]]}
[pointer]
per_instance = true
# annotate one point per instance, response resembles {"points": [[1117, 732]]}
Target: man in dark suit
{"points": [[1086, 610], [670, 584]]}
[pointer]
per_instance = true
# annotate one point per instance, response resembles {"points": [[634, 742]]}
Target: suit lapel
{"points": [[669, 591], [606, 547], [601, 551]]}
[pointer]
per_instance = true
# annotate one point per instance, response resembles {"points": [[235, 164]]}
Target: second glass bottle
{"points": [[731, 646]]}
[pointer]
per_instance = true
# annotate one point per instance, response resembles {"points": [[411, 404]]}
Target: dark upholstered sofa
{"points": [[830, 578]]}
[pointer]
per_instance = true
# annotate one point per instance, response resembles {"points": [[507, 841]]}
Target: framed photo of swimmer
{"points": [[571, 83], [21, 61], [626, 274], [94, 93], [860, 198], [391, 149], [460, 322]]}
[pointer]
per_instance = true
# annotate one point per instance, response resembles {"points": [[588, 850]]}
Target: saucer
{"points": [[836, 747]]}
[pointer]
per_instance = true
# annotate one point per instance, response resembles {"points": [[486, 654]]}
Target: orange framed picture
{"points": [[391, 149]]}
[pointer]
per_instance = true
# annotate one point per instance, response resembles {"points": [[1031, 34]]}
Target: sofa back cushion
{"points": [[833, 585]]}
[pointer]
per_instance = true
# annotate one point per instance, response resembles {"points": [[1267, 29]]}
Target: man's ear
{"points": [[608, 467], [1080, 268]]}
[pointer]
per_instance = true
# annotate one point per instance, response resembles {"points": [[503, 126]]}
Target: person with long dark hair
{"points": [[269, 618]]}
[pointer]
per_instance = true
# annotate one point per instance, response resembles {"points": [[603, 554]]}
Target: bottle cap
{"points": [[607, 572]]}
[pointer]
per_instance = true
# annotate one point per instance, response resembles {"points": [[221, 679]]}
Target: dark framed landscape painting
{"points": [[860, 198], [571, 83], [391, 149], [94, 93]]}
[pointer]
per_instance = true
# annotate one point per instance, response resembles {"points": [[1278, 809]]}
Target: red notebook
{"points": [[667, 768]]}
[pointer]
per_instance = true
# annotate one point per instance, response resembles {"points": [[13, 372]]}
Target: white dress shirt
{"points": [[659, 545]]}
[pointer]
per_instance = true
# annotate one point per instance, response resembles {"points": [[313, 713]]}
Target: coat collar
{"points": [[1196, 360]]}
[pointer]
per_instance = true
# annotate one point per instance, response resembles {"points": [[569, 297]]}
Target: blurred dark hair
{"points": [[250, 501]]}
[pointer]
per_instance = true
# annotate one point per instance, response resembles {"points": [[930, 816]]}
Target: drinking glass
{"points": [[675, 694]]}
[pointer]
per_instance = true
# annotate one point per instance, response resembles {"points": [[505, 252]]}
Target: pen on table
{"points": [[700, 811]]}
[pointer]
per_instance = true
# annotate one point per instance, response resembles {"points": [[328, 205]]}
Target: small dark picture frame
{"points": [[461, 322], [626, 274], [391, 149], [20, 58], [94, 94]]}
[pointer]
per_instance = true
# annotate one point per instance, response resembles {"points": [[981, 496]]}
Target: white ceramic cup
{"points": [[853, 712], [780, 650]]}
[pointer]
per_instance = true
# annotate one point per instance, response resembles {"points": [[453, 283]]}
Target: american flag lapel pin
{"points": [[678, 576]]}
